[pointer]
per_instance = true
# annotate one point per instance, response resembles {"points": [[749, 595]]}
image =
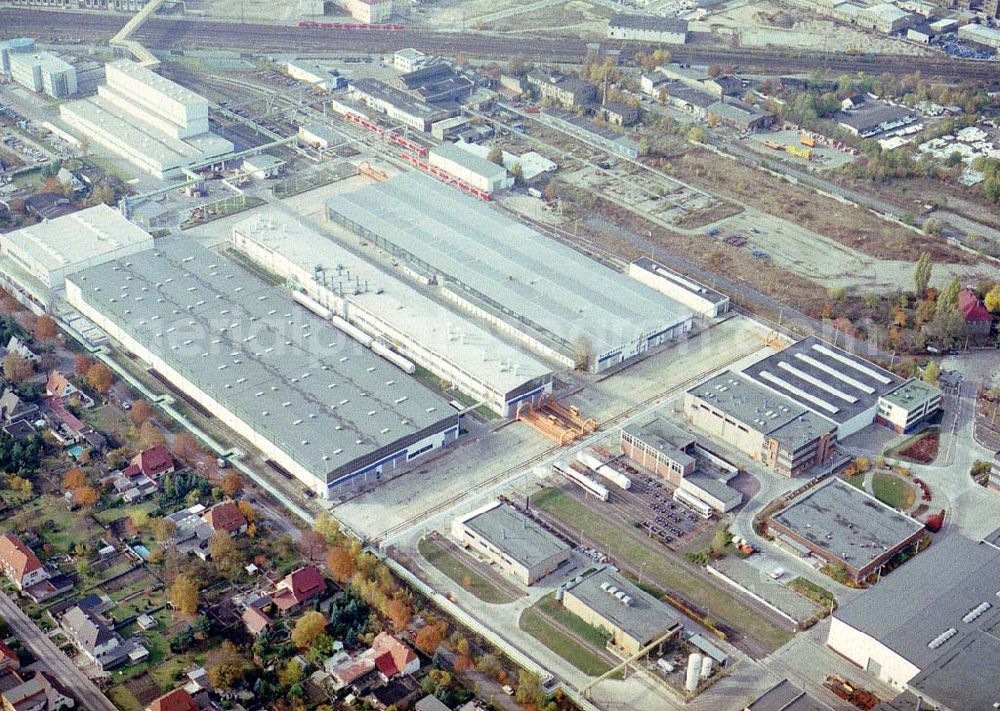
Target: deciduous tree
{"points": [[45, 328], [399, 612], [99, 377], [163, 529], [140, 412], [429, 637], [185, 447], [922, 274], [85, 496], [309, 627], [17, 369], [341, 562], [232, 484], [150, 435], [74, 479], [184, 596], [82, 363]]}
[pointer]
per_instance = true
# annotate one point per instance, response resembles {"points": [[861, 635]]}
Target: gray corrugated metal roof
{"points": [[317, 394], [534, 277], [644, 618], [518, 536]]}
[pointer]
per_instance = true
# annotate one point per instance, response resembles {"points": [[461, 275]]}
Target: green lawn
{"points": [[465, 575], [809, 589], [857, 480], [124, 699], [668, 574], [594, 635], [892, 490], [583, 657], [107, 516]]}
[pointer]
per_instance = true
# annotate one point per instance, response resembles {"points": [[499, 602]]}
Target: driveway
{"points": [[61, 666]]}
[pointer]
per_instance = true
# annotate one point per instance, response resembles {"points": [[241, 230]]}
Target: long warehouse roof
{"points": [[528, 274], [310, 389], [77, 238], [158, 83], [449, 335]]}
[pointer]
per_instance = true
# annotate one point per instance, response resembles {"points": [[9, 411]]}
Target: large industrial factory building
{"points": [[384, 310], [315, 402], [553, 299]]}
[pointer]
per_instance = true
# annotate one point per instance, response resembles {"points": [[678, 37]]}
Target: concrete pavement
{"points": [[68, 674]]}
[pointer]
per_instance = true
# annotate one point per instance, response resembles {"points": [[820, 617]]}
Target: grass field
{"points": [[536, 621], [669, 574], [123, 699], [892, 490], [468, 577]]}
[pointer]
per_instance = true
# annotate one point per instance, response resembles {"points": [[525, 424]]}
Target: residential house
{"points": [[393, 656], [226, 517], [34, 694], [153, 462], [569, 92], [19, 563], [978, 320], [297, 588], [48, 206], [131, 484], [97, 640], [430, 703], [744, 116], [18, 347], [192, 532], [256, 621], [353, 671], [398, 693], [9, 660], [59, 386], [176, 700], [68, 180], [14, 408]]}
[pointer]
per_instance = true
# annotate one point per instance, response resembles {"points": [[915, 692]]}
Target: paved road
{"points": [[67, 673]]}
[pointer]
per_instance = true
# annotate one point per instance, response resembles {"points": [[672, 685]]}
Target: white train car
{"points": [[581, 479], [693, 502], [603, 469]]}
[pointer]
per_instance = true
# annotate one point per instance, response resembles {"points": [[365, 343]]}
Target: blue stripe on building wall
{"points": [[525, 396]]}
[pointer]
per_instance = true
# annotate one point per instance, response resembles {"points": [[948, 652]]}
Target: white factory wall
{"points": [[750, 442], [678, 293], [185, 113], [856, 423], [114, 95], [870, 654], [54, 278], [467, 175]]}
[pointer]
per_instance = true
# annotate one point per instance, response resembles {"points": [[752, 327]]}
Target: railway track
{"points": [[177, 34]]}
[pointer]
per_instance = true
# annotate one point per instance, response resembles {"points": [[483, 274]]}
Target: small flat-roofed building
{"points": [[320, 75], [648, 28], [38, 258], [633, 617], [875, 118], [544, 294], [43, 73], [908, 405], [941, 644], [567, 91], [786, 696], [786, 437], [396, 104], [447, 129], [469, 168], [319, 406], [605, 137], [449, 344], [515, 543], [843, 525], [408, 59], [263, 166], [317, 135], [370, 12], [18, 45], [692, 294], [666, 450], [830, 382]]}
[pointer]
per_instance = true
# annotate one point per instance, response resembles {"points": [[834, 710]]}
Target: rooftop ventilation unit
{"points": [[942, 638], [976, 612]]}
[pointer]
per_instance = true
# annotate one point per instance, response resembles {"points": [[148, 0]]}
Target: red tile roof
{"points": [[176, 700], [298, 586], [225, 517], [8, 658], [255, 620], [153, 461], [386, 665], [401, 655], [971, 307], [58, 385], [17, 557]]}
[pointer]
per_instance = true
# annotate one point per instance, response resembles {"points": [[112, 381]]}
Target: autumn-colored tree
{"points": [[17, 369], [85, 496], [45, 328], [462, 663], [529, 688], [290, 674], [99, 377], [82, 364], [232, 484], [310, 626], [150, 435], [429, 637], [327, 526], [74, 479], [341, 562], [248, 511], [184, 595], [163, 529], [226, 666], [399, 612], [222, 550], [185, 447], [140, 412], [489, 665], [312, 545]]}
